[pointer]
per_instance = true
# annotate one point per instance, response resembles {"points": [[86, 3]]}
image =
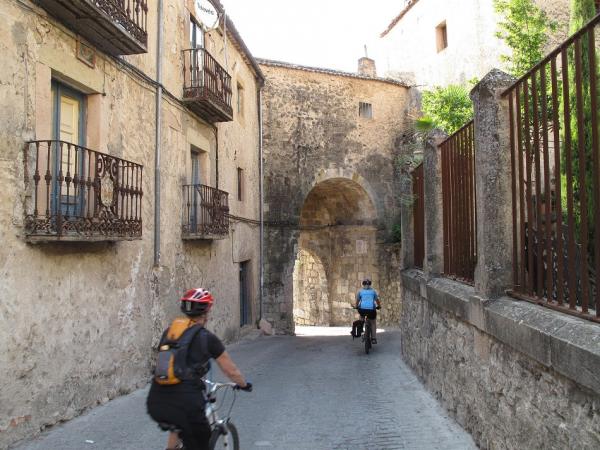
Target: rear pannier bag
{"points": [[357, 328]]}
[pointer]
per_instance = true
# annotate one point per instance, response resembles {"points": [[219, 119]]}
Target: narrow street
{"points": [[317, 390]]}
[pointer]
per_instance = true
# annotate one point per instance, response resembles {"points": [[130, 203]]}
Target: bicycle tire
{"points": [[367, 338], [232, 437]]}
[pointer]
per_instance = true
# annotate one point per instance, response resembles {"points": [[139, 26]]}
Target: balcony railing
{"points": [[78, 194], [118, 27], [205, 212], [207, 86]]}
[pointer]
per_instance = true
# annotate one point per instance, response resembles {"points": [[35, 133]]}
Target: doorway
{"points": [[245, 312]]}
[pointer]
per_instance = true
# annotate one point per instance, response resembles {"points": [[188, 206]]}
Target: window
{"points": [[240, 183], [365, 110], [196, 34], [240, 99], [441, 35]]}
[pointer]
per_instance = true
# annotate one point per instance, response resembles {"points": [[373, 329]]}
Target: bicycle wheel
{"points": [[225, 437], [367, 337]]}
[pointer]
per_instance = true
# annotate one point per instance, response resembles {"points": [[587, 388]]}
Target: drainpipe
{"points": [[216, 131], [261, 196], [157, 143]]}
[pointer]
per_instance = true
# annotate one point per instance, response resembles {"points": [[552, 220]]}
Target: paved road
{"points": [[314, 391]]}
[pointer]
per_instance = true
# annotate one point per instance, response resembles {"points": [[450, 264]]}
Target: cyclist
{"points": [[182, 405], [367, 302]]}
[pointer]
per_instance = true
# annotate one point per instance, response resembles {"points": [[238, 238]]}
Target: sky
{"points": [[322, 33]]}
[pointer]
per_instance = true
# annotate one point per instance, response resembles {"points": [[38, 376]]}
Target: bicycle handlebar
{"points": [[214, 386]]}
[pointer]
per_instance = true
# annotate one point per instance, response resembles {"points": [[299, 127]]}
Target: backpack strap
{"points": [[184, 370]]}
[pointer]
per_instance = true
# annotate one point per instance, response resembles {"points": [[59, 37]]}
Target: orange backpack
{"points": [[172, 366]]}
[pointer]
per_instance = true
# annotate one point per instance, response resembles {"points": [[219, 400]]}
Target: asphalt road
{"points": [[317, 390]]}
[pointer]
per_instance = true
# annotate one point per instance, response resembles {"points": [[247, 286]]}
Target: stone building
{"points": [[433, 43], [330, 148], [129, 171]]}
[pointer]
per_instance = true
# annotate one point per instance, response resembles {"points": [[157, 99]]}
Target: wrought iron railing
{"points": [[459, 206], [81, 194], [555, 166], [206, 80], [205, 212], [132, 15], [418, 216]]}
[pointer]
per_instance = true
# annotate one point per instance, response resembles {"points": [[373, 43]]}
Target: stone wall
{"points": [[411, 45], [329, 178], [513, 374], [78, 320]]}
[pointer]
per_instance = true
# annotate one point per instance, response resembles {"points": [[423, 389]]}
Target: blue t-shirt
{"points": [[366, 298]]}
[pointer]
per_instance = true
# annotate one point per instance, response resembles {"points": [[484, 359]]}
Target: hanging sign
{"points": [[206, 14]]}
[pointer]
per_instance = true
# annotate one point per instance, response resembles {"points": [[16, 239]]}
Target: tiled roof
{"points": [[272, 63], [399, 17]]}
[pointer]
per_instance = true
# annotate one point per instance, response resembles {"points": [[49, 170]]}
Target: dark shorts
{"points": [[185, 410], [370, 313]]}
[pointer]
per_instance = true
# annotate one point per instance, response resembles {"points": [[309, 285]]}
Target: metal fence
{"points": [[81, 194], [555, 177], [459, 210], [419, 216]]}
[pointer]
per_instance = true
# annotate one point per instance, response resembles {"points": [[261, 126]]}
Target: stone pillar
{"points": [[493, 274], [434, 226]]}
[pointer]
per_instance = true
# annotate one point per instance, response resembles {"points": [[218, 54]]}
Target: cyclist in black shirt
{"points": [[182, 404]]}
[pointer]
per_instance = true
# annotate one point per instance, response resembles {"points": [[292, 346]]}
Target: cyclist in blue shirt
{"points": [[367, 303]]}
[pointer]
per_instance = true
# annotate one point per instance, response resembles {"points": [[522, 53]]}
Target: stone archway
{"points": [[311, 290], [336, 249]]}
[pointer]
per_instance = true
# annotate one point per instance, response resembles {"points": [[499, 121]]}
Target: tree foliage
{"points": [[524, 28], [447, 108], [582, 11]]}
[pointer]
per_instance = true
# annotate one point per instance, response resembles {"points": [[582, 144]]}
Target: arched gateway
{"points": [[330, 250], [337, 229], [332, 142]]}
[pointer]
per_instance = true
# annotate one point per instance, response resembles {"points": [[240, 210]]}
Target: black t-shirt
{"points": [[215, 348]]}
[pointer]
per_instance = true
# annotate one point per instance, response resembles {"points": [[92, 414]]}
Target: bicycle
{"points": [[224, 434], [367, 337]]}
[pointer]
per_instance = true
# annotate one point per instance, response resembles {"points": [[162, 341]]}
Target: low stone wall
{"points": [[515, 375]]}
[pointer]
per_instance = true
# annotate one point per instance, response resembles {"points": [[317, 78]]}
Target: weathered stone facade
{"points": [[78, 320], [330, 191], [510, 379], [434, 43]]}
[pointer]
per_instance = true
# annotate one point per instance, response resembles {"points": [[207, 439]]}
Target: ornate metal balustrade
{"points": [[78, 194], [207, 86], [118, 27], [205, 212]]}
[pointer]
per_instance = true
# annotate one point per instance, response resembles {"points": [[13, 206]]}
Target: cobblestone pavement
{"points": [[314, 391]]}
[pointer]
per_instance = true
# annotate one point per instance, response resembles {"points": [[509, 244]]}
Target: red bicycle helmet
{"points": [[196, 302]]}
